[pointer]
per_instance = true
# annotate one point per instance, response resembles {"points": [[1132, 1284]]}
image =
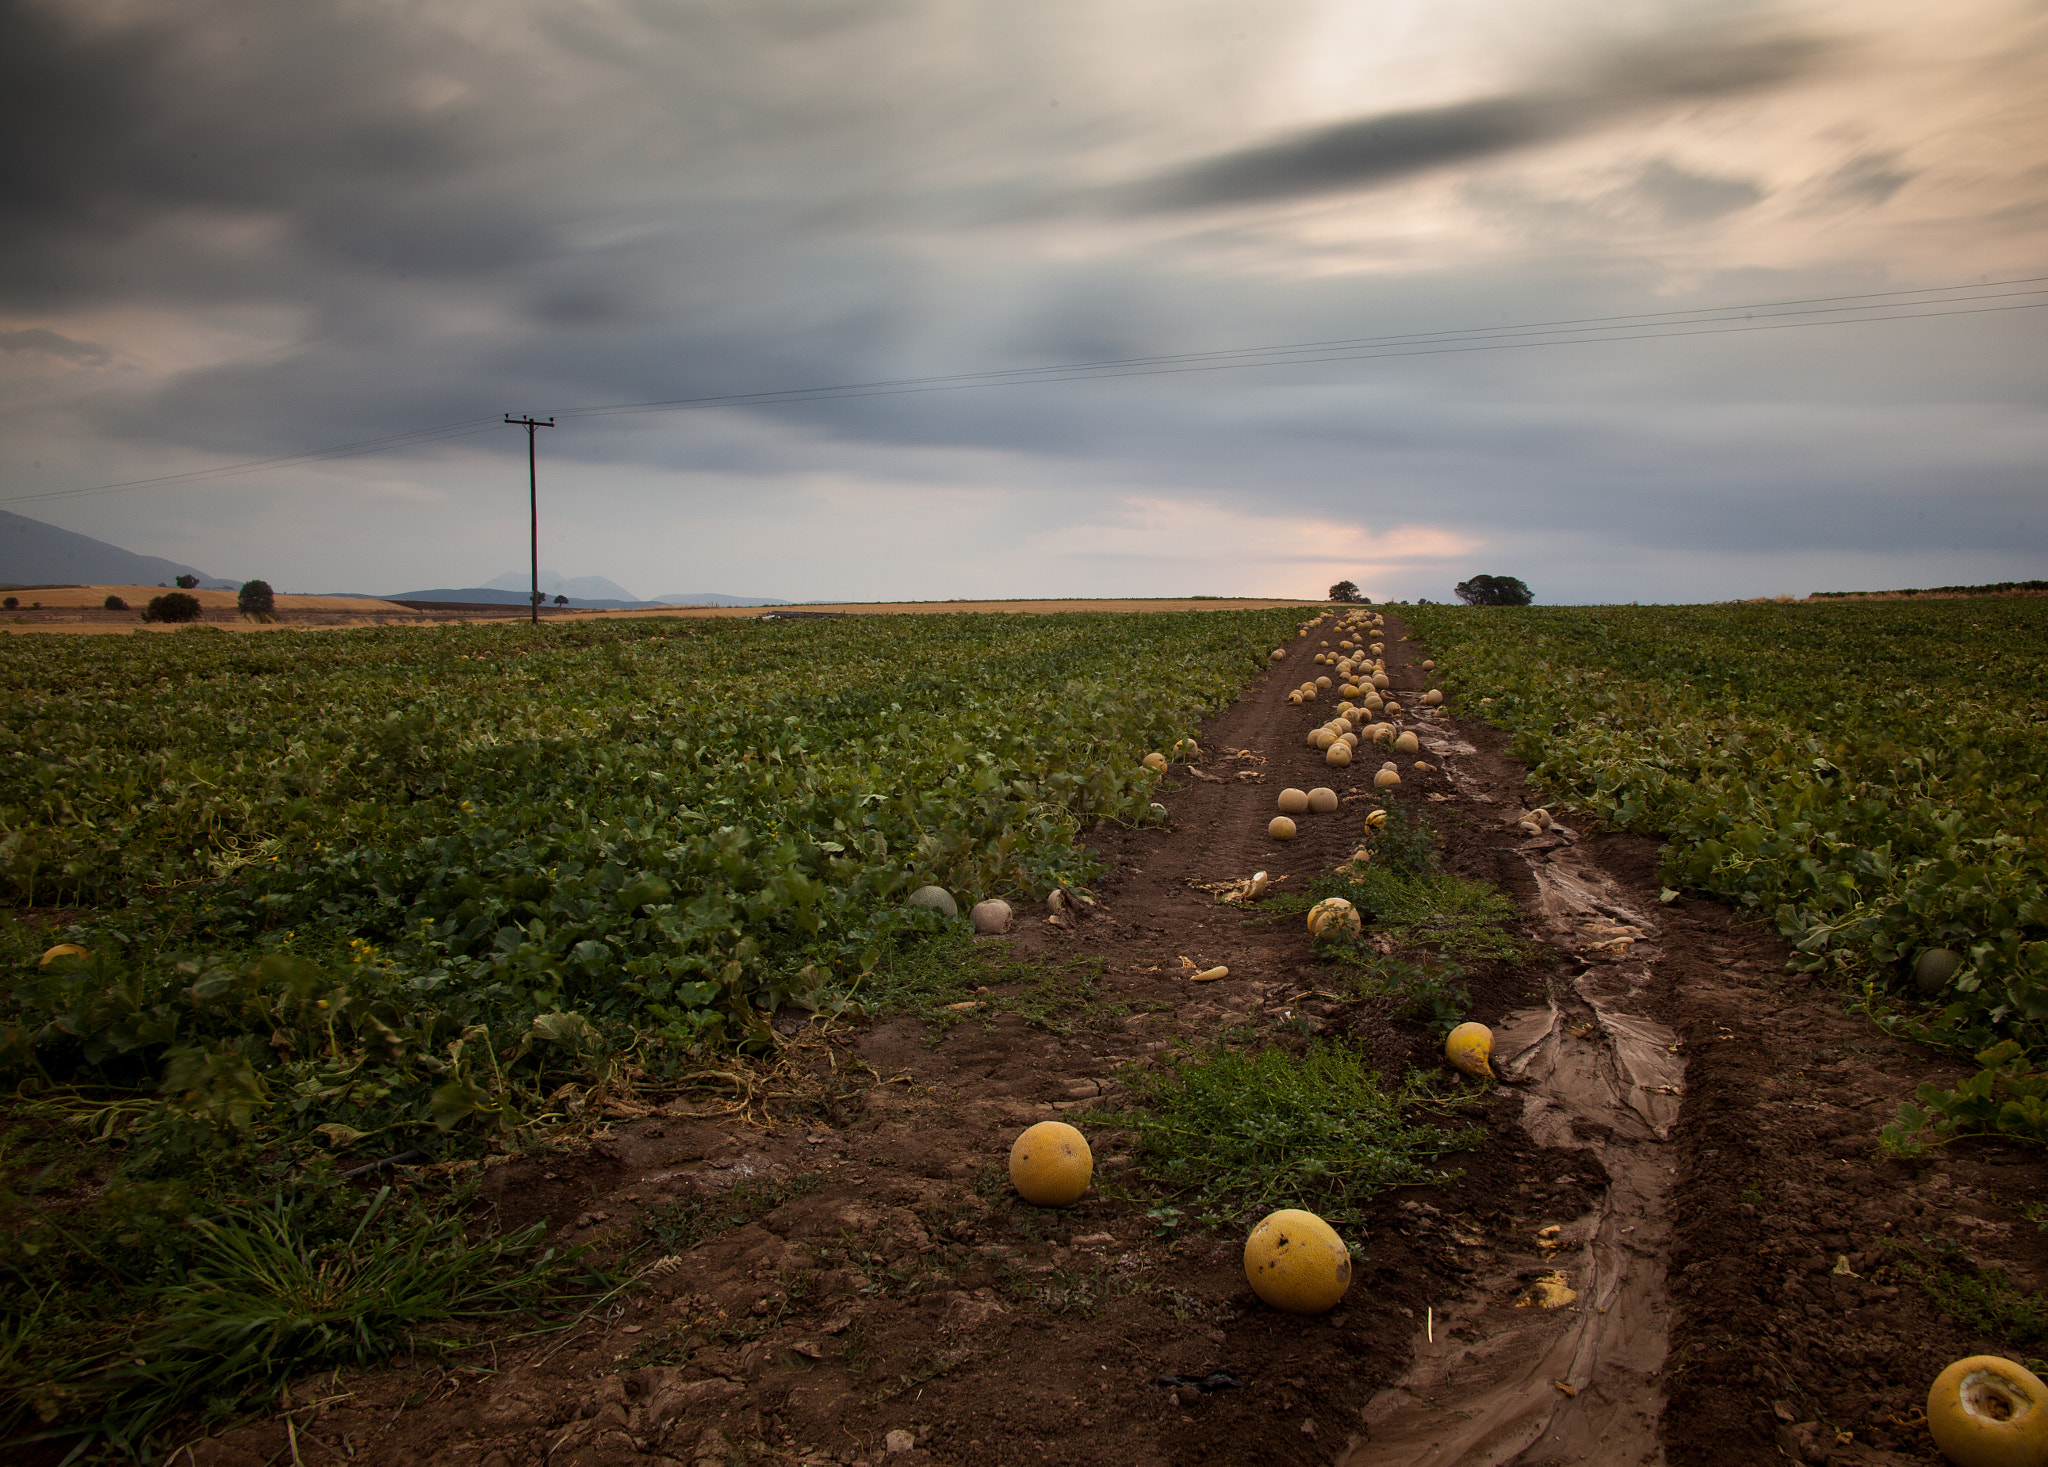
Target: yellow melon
{"points": [[1280, 828], [1322, 799], [1155, 761], [1338, 755], [1293, 801], [1469, 1048], [1407, 743], [1333, 917], [1986, 1411], [1386, 779], [1295, 1261], [1050, 1165]]}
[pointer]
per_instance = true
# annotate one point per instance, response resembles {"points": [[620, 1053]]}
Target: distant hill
{"points": [[493, 596], [35, 554], [715, 598], [591, 589]]}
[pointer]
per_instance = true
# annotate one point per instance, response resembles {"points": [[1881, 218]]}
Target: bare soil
{"points": [[1692, 1156]]}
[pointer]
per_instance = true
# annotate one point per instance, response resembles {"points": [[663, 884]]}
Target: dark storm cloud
{"points": [[51, 344], [297, 114], [1389, 145]]}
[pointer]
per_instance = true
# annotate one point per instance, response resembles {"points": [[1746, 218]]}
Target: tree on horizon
{"points": [[1494, 591]]}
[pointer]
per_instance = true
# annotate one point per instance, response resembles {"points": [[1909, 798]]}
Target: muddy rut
{"points": [[1675, 1242]]}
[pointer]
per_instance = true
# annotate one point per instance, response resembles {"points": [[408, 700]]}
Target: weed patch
{"points": [[1984, 1298], [1229, 1136], [265, 1293]]}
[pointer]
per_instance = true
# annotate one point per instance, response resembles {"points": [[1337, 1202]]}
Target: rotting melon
{"points": [[1987, 1411], [1050, 1165], [62, 950], [1295, 1261]]}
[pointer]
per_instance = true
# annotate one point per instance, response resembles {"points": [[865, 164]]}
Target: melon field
{"points": [[1873, 779], [495, 1045]]}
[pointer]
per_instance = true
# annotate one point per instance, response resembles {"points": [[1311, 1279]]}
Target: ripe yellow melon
{"points": [[1429, 667], [1407, 743], [1280, 828], [1279, 655], [1338, 755], [1295, 1261], [1322, 685], [1381, 680], [1386, 779], [1155, 761], [1332, 917], [1434, 698], [1293, 801], [1322, 799], [1050, 1165], [1320, 739], [62, 950], [1469, 1048], [1986, 1411]]}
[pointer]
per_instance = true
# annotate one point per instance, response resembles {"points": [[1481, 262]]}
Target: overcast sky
{"points": [[235, 229]]}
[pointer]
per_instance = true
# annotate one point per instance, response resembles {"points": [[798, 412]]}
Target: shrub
{"points": [[188, 583], [114, 603], [256, 598], [172, 606], [11, 602], [1494, 591]]}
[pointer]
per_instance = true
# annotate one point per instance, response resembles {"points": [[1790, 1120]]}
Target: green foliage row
{"points": [[356, 879], [354, 894], [1870, 774]]}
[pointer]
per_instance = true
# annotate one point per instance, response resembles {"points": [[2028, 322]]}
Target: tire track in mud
{"points": [[1566, 1366]]}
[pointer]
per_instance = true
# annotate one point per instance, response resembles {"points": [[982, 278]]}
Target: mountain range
{"points": [[35, 554]]}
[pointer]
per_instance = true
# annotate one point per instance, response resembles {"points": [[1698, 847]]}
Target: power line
{"points": [[1797, 313]]}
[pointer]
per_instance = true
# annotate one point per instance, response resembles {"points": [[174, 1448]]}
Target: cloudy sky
{"points": [[1634, 299]]}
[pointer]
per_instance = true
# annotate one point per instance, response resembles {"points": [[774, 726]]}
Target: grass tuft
{"points": [[1231, 1136]]}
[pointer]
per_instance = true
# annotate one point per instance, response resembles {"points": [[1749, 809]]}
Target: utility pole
{"points": [[533, 509]]}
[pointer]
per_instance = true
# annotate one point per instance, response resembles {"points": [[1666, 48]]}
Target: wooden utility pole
{"points": [[533, 508]]}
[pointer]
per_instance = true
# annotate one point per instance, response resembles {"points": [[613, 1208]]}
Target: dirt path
{"points": [[1689, 1159]]}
